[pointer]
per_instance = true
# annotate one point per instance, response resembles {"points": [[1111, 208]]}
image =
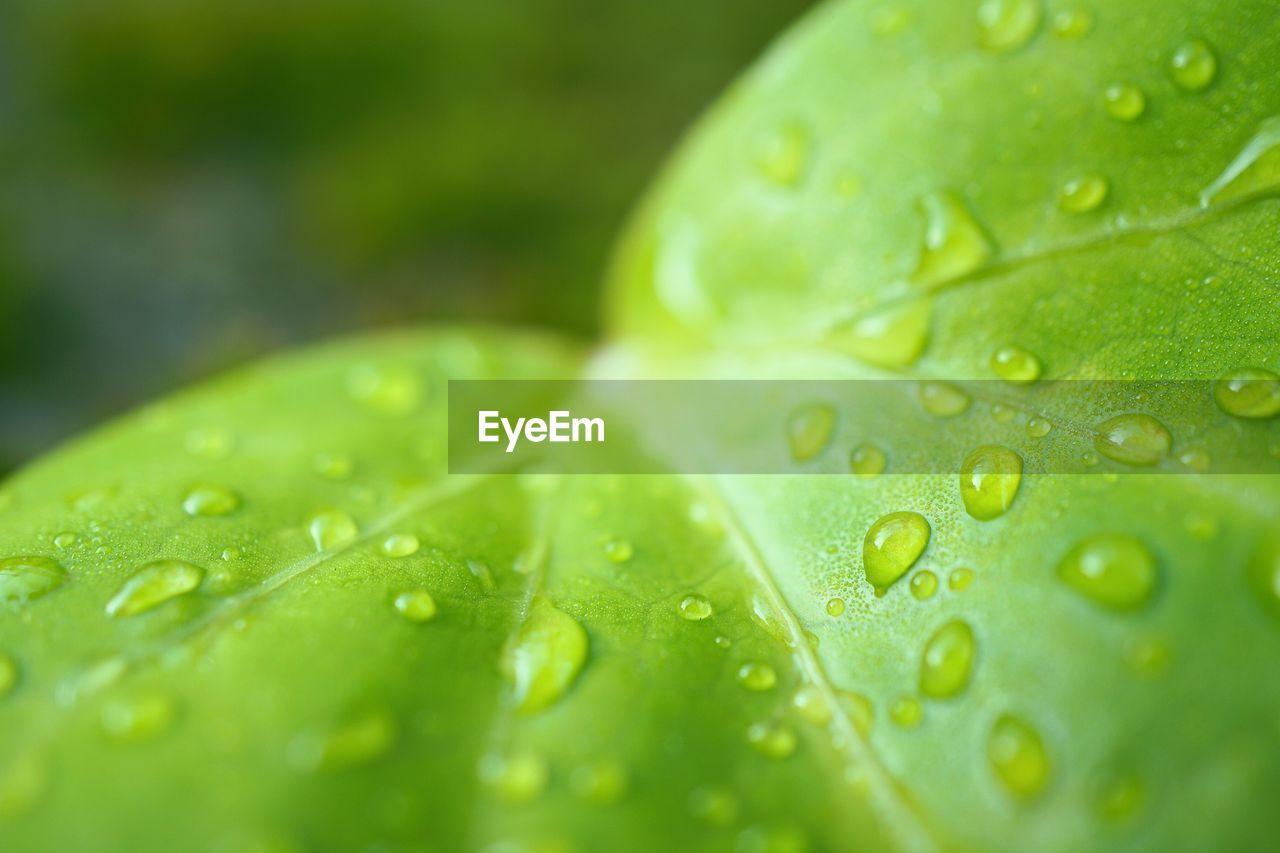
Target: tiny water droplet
{"points": [[1038, 427], [947, 661], [695, 608], [1015, 364], [602, 783], [782, 154], [810, 702], [1193, 65], [1135, 439], [1249, 393], [544, 657], [835, 606], [333, 466], [400, 545], [618, 550], [139, 717], [954, 243], [1005, 25], [989, 481], [924, 584], [809, 430], [960, 579], [907, 712], [867, 460], [520, 777], [723, 642], [943, 400], [892, 546], [1083, 193], [1124, 101], [1073, 23], [332, 529], [153, 585], [1197, 459], [210, 500], [772, 739], [757, 676], [24, 579], [1114, 570], [1018, 756], [416, 605], [889, 337]]}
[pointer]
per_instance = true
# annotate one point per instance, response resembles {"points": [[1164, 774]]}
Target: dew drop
{"points": [[809, 430], [782, 155], [1005, 25], [723, 642], [835, 607], [889, 337], [544, 657], [695, 608], [1197, 459], [1038, 427], [64, 541], [210, 500], [954, 243], [400, 545], [757, 676], [1193, 65], [810, 702], [1018, 756], [1083, 193], [416, 605], [1255, 170], [138, 718], [1015, 364], [715, 806], [23, 579], [153, 585], [772, 739], [907, 712], [1073, 23], [947, 661], [1133, 439], [1124, 101], [1114, 570], [332, 529], [892, 546], [960, 579], [923, 585], [520, 777], [8, 674], [943, 400], [989, 481], [602, 783], [867, 460], [1249, 393], [618, 550]]}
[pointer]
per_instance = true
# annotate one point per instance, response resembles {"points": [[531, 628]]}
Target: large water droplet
{"points": [[889, 337], [1018, 756], [153, 585], [892, 546], [1124, 101], [210, 500], [1005, 25], [758, 676], [782, 154], [139, 717], [544, 657], [695, 608], [520, 777], [1255, 170], [363, 739], [947, 661], [954, 243], [25, 578], [772, 739], [1193, 65], [1133, 439], [1083, 193], [1249, 393], [1112, 569], [943, 400], [332, 529], [1015, 364], [989, 480], [809, 430], [416, 605], [400, 545]]}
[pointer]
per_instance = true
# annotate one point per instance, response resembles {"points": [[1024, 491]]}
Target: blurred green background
{"points": [[188, 184]]}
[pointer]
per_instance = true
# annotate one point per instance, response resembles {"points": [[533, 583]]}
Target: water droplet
{"points": [[544, 657], [889, 337], [1124, 102], [138, 718], [943, 400], [766, 616], [1193, 65], [23, 579], [1263, 578], [715, 806], [810, 702], [808, 431], [363, 739], [1005, 25], [1083, 193], [384, 389], [153, 585], [1120, 797], [835, 607], [1249, 393], [231, 553], [695, 608], [1197, 459], [867, 460], [907, 712], [618, 550], [772, 739], [517, 778], [924, 584], [332, 529], [782, 154], [758, 676], [1015, 364], [209, 442], [400, 545], [1018, 756], [416, 605], [989, 481], [1073, 23], [1001, 413], [333, 466], [64, 540], [602, 783], [210, 500], [723, 642], [947, 661], [860, 710], [8, 674], [1113, 570], [892, 546], [1133, 439], [1038, 427], [954, 243], [1255, 170], [960, 579]]}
